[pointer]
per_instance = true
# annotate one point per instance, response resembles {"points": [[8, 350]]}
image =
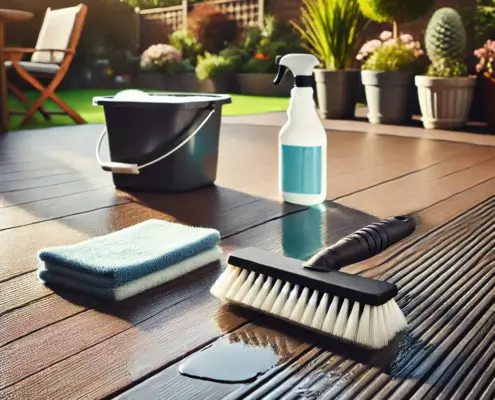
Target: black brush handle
{"points": [[362, 244]]}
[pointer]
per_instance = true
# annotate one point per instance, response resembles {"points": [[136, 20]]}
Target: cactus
{"points": [[445, 36]]}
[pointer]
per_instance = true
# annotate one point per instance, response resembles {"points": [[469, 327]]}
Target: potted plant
{"points": [[387, 74], [445, 93], [162, 67], [395, 12], [331, 29], [216, 73], [485, 69]]}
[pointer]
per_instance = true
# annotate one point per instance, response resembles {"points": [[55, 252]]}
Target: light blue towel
{"points": [[134, 287], [129, 254]]}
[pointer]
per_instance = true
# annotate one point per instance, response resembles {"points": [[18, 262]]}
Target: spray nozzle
{"points": [[282, 70], [301, 66]]}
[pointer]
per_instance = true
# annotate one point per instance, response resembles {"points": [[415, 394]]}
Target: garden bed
{"points": [[244, 83]]}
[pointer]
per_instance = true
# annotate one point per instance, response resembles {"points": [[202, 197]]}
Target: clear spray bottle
{"points": [[302, 140]]}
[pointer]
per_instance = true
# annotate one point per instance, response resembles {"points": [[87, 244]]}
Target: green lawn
{"points": [[81, 101]]}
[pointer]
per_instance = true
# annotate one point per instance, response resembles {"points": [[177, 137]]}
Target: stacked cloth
{"points": [[129, 261]]}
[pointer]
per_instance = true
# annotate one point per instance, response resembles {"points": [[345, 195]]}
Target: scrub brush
{"points": [[314, 294]]}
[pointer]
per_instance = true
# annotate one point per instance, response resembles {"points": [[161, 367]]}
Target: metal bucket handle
{"points": [[133, 169]]}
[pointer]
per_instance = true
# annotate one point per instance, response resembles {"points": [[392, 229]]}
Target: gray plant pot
{"points": [[262, 85], [445, 102], [337, 93], [388, 96]]}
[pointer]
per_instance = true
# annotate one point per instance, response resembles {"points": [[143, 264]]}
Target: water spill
{"points": [[232, 359]]}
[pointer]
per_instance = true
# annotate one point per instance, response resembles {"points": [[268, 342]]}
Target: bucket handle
{"points": [[133, 169]]}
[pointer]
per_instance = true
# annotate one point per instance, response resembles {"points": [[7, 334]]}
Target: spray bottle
{"points": [[302, 140]]}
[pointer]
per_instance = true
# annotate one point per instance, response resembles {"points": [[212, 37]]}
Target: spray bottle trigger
{"points": [[282, 70]]}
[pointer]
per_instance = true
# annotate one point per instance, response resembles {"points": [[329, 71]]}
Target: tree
{"points": [[395, 11]]}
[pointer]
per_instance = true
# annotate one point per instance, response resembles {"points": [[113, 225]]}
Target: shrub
{"points": [[257, 48], [211, 65], [163, 58], [260, 65], [212, 28], [186, 44], [330, 29], [237, 56], [395, 11]]}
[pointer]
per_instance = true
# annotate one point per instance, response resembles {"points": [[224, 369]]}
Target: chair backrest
{"points": [[61, 29]]}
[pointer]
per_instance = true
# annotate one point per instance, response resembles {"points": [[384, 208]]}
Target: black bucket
{"points": [[162, 142]]}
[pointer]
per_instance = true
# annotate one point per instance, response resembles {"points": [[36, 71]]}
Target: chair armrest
{"points": [[15, 53]]}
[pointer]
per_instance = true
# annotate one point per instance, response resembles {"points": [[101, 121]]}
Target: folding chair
{"points": [[51, 59]]}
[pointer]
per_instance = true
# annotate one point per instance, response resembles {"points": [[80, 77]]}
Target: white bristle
{"points": [[398, 315], [281, 300], [374, 328], [262, 295], [215, 289], [384, 337], [371, 326], [291, 302], [244, 289], [254, 291], [320, 313], [389, 316], [363, 335], [236, 285], [392, 320], [272, 297], [352, 325], [300, 306], [331, 317], [224, 281], [341, 321], [310, 310]]}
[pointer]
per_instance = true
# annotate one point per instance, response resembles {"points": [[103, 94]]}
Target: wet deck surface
{"points": [[59, 345]]}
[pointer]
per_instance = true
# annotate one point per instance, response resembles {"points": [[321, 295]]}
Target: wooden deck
{"points": [[59, 345]]}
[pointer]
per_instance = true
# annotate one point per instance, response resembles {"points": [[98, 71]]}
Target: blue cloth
{"points": [[130, 253]]}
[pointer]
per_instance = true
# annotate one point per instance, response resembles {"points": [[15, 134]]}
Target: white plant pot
{"points": [[444, 102]]}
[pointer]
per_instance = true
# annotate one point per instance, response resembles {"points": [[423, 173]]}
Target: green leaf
{"points": [[330, 30]]}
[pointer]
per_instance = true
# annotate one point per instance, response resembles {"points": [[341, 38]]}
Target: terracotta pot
{"points": [[489, 89]]}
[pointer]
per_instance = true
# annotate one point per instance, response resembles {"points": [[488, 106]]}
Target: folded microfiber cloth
{"points": [[132, 252], [110, 261], [136, 286]]}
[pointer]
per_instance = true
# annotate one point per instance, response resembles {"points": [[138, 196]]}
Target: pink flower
{"points": [[371, 46], [406, 38], [359, 57], [385, 35], [389, 42]]}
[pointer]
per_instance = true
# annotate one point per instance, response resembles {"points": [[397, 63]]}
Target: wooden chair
{"points": [[51, 59]]}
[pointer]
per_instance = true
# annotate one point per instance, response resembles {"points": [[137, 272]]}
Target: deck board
{"points": [[450, 312], [136, 345]]}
